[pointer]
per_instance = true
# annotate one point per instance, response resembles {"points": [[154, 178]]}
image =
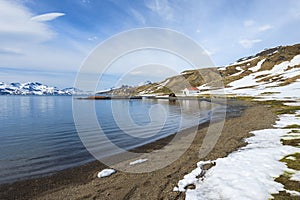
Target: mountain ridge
{"points": [[273, 67], [36, 88]]}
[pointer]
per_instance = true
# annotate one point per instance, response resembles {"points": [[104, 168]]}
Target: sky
{"points": [[49, 40]]}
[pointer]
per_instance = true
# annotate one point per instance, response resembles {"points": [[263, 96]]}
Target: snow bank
{"points": [[191, 178], [293, 193], [296, 176], [292, 104], [106, 172], [287, 119], [248, 173]]}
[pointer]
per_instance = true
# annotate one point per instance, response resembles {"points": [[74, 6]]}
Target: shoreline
{"points": [[82, 182]]}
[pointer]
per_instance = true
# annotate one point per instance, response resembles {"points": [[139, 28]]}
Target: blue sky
{"points": [[47, 40]]}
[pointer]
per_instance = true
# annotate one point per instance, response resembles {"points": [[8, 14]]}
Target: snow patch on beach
{"points": [[291, 158], [138, 161], [296, 176], [191, 178], [292, 104], [248, 173], [106, 172], [287, 119], [293, 193]]}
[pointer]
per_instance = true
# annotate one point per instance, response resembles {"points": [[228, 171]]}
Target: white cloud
{"points": [[47, 17], [249, 43], [16, 25], [22, 41], [264, 28], [93, 38], [248, 23]]}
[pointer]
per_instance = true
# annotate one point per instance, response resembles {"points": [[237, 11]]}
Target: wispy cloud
{"points": [[138, 16], [162, 8], [93, 38], [47, 17], [246, 43], [265, 28]]}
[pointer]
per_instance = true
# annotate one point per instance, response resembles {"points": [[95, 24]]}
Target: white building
{"points": [[190, 91]]}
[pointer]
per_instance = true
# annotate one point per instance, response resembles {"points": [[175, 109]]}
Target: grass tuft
{"points": [[295, 131], [292, 164], [284, 179], [293, 142], [269, 93], [287, 110], [292, 126]]}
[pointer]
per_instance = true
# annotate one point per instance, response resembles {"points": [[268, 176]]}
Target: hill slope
{"points": [[274, 70]]}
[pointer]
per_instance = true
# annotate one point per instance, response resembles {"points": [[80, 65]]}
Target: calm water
{"points": [[38, 134]]}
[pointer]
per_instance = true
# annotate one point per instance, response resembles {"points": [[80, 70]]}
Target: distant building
{"points": [[190, 91]]}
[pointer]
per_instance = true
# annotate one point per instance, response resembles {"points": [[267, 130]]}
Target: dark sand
{"points": [[82, 182]]}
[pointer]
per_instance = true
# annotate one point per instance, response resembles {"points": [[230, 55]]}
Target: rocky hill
{"points": [[272, 68]]}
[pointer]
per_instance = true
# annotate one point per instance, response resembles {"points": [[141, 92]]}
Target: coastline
{"points": [[82, 182]]}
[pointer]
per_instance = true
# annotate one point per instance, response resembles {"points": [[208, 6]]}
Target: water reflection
{"points": [[38, 135]]}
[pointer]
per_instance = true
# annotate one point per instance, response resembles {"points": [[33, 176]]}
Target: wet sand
{"points": [[82, 182]]}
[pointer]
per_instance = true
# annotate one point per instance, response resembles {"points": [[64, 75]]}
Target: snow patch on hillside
{"points": [[258, 66], [271, 89]]}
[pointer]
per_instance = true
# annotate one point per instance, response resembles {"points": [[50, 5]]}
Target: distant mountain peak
{"points": [[36, 88]]}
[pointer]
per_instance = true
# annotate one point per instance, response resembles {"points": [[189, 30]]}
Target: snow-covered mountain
{"points": [[36, 88]]}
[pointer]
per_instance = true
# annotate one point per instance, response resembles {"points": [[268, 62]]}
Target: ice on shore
{"points": [[138, 161], [248, 173], [106, 172]]}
